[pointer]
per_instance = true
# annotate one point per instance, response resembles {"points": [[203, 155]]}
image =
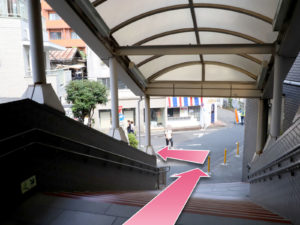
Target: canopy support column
{"points": [[116, 131], [262, 125], [277, 97], [149, 148], [139, 120], [40, 91]]}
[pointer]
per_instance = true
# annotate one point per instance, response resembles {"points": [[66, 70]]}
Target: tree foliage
{"points": [[132, 140], [85, 95]]}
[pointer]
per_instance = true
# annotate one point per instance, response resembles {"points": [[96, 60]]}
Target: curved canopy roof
{"points": [[170, 43]]}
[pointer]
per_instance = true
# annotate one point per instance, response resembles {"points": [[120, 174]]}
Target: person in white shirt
{"points": [[168, 136], [132, 127]]}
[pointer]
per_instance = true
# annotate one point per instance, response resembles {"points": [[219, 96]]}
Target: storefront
{"points": [[105, 118], [184, 107], [157, 117], [191, 111]]}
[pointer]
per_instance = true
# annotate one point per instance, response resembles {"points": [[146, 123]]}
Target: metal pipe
{"points": [[290, 154], [237, 148], [139, 120], [147, 121], [36, 42], [196, 49], [277, 97], [114, 92], [65, 140], [259, 132], [208, 164], [294, 83], [285, 169]]}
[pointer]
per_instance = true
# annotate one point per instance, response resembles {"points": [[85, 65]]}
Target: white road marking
{"points": [[194, 145]]}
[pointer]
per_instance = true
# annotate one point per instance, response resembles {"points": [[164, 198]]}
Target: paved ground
{"points": [[215, 139]]}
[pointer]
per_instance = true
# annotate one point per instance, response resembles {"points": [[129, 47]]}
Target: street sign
{"points": [[28, 184], [121, 117], [120, 109]]}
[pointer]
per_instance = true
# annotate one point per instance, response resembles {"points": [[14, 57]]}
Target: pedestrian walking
{"points": [[128, 126], [132, 127], [168, 136], [242, 117]]}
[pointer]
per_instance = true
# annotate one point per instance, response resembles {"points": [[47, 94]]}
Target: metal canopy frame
{"points": [[192, 5], [253, 48], [196, 49]]}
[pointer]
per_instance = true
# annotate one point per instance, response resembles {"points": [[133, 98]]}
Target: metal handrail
{"points": [[288, 168], [96, 157], [77, 142], [295, 150], [164, 169], [85, 155]]}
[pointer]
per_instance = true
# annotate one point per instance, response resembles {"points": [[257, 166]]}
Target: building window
{"points": [[74, 35], [54, 16], [106, 83], [55, 35], [13, 8], [173, 112], [105, 119]]}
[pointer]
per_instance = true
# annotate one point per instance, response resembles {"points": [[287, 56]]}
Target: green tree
{"points": [[132, 140], [85, 95]]}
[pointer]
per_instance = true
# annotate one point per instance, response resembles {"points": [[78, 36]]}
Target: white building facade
{"points": [[177, 112], [15, 59]]}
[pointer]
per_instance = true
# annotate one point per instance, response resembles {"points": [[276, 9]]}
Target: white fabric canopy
{"points": [[192, 22]]}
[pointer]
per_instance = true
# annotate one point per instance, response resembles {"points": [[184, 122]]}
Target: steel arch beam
{"points": [[98, 2], [180, 65], [256, 60], [204, 89], [187, 6], [195, 49], [201, 29]]}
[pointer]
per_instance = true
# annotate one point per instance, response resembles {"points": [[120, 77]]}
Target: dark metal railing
{"points": [[151, 169], [269, 171]]}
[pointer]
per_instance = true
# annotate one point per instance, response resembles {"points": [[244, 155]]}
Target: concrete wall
{"points": [[291, 92], [250, 134], [95, 67], [291, 104], [15, 62], [281, 193], [12, 83], [59, 79]]}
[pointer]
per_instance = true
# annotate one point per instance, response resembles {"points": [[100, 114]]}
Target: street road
{"points": [[215, 139]]}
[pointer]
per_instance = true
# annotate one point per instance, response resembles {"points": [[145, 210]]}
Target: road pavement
{"points": [[215, 139]]}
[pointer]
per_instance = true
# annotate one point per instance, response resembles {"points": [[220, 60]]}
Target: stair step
{"points": [[243, 209]]}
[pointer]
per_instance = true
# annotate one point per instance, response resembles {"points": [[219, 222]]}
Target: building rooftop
{"points": [[67, 55]]}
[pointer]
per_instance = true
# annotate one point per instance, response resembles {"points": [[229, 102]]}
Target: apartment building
{"points": [[15, 59], [59, 32]]}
